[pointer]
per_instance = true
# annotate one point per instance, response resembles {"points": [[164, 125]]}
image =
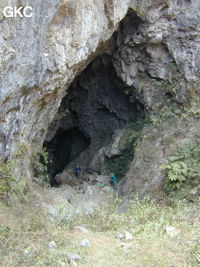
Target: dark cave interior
{"points": [[96, 106], [65, 146]]}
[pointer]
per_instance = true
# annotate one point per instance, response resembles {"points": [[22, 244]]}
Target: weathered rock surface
{"points": [[66, 201], [156, 54], [156, 144], [158, 51], [40, 56], [67, 178]]}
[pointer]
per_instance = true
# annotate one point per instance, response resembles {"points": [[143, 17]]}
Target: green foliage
{"points": [[39, 162], [132, 134], [167, 112], [195, 250], [183, 165], [25, 242], [194, 112], [12, 184], [119, 164], [7, 182], [131, 92], [20, 151], [4, 231], [143, 217]]}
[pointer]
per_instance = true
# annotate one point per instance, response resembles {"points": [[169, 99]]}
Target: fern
{"points": [[183, 166]]}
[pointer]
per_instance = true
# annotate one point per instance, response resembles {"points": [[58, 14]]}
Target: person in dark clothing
{"points": [[77, 171]]}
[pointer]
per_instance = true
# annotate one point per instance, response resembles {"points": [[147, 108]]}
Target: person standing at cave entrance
{"points": [[78, 171], [113, 181]]}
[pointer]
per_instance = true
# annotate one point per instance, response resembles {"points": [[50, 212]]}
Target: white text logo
{"points": [[13, 12]]}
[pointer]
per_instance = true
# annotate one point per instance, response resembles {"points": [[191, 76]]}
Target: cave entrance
{"points": [[64, 147], [98, 103]]}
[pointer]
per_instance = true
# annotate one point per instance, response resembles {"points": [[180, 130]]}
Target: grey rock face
{"points": [[156, 54], [41, 55], [66, 178], [65, 201], [159, 56], [156, 145]]}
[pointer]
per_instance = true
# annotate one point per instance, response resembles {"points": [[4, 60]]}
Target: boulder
{"points": [[85, 243], [73, 257], [172, 232], [81, 229], [127, 235], [52, 245], [67, 178]]}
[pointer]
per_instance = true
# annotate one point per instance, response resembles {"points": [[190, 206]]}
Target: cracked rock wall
{"points": [[41, 56], [161, 51]]}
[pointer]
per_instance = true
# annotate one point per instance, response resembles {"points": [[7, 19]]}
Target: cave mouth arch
{"points": [[97, 104], [64, 147]]}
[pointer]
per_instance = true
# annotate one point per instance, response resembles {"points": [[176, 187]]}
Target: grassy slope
{"points": [[25, 233]]}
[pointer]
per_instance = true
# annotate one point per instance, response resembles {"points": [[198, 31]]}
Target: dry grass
{"points": [[26, 231]]}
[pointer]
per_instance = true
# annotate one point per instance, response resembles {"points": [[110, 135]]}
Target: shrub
{"points": [[165, 113], [183, 165], [39, 161], [119, 164], [6, 179], [9, 186]]}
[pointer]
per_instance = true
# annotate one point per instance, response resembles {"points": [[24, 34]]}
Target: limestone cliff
{"points": [[155, 53]]}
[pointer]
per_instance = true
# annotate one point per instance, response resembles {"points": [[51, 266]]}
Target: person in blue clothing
{"points": [[78, 171], [113, 180]]}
